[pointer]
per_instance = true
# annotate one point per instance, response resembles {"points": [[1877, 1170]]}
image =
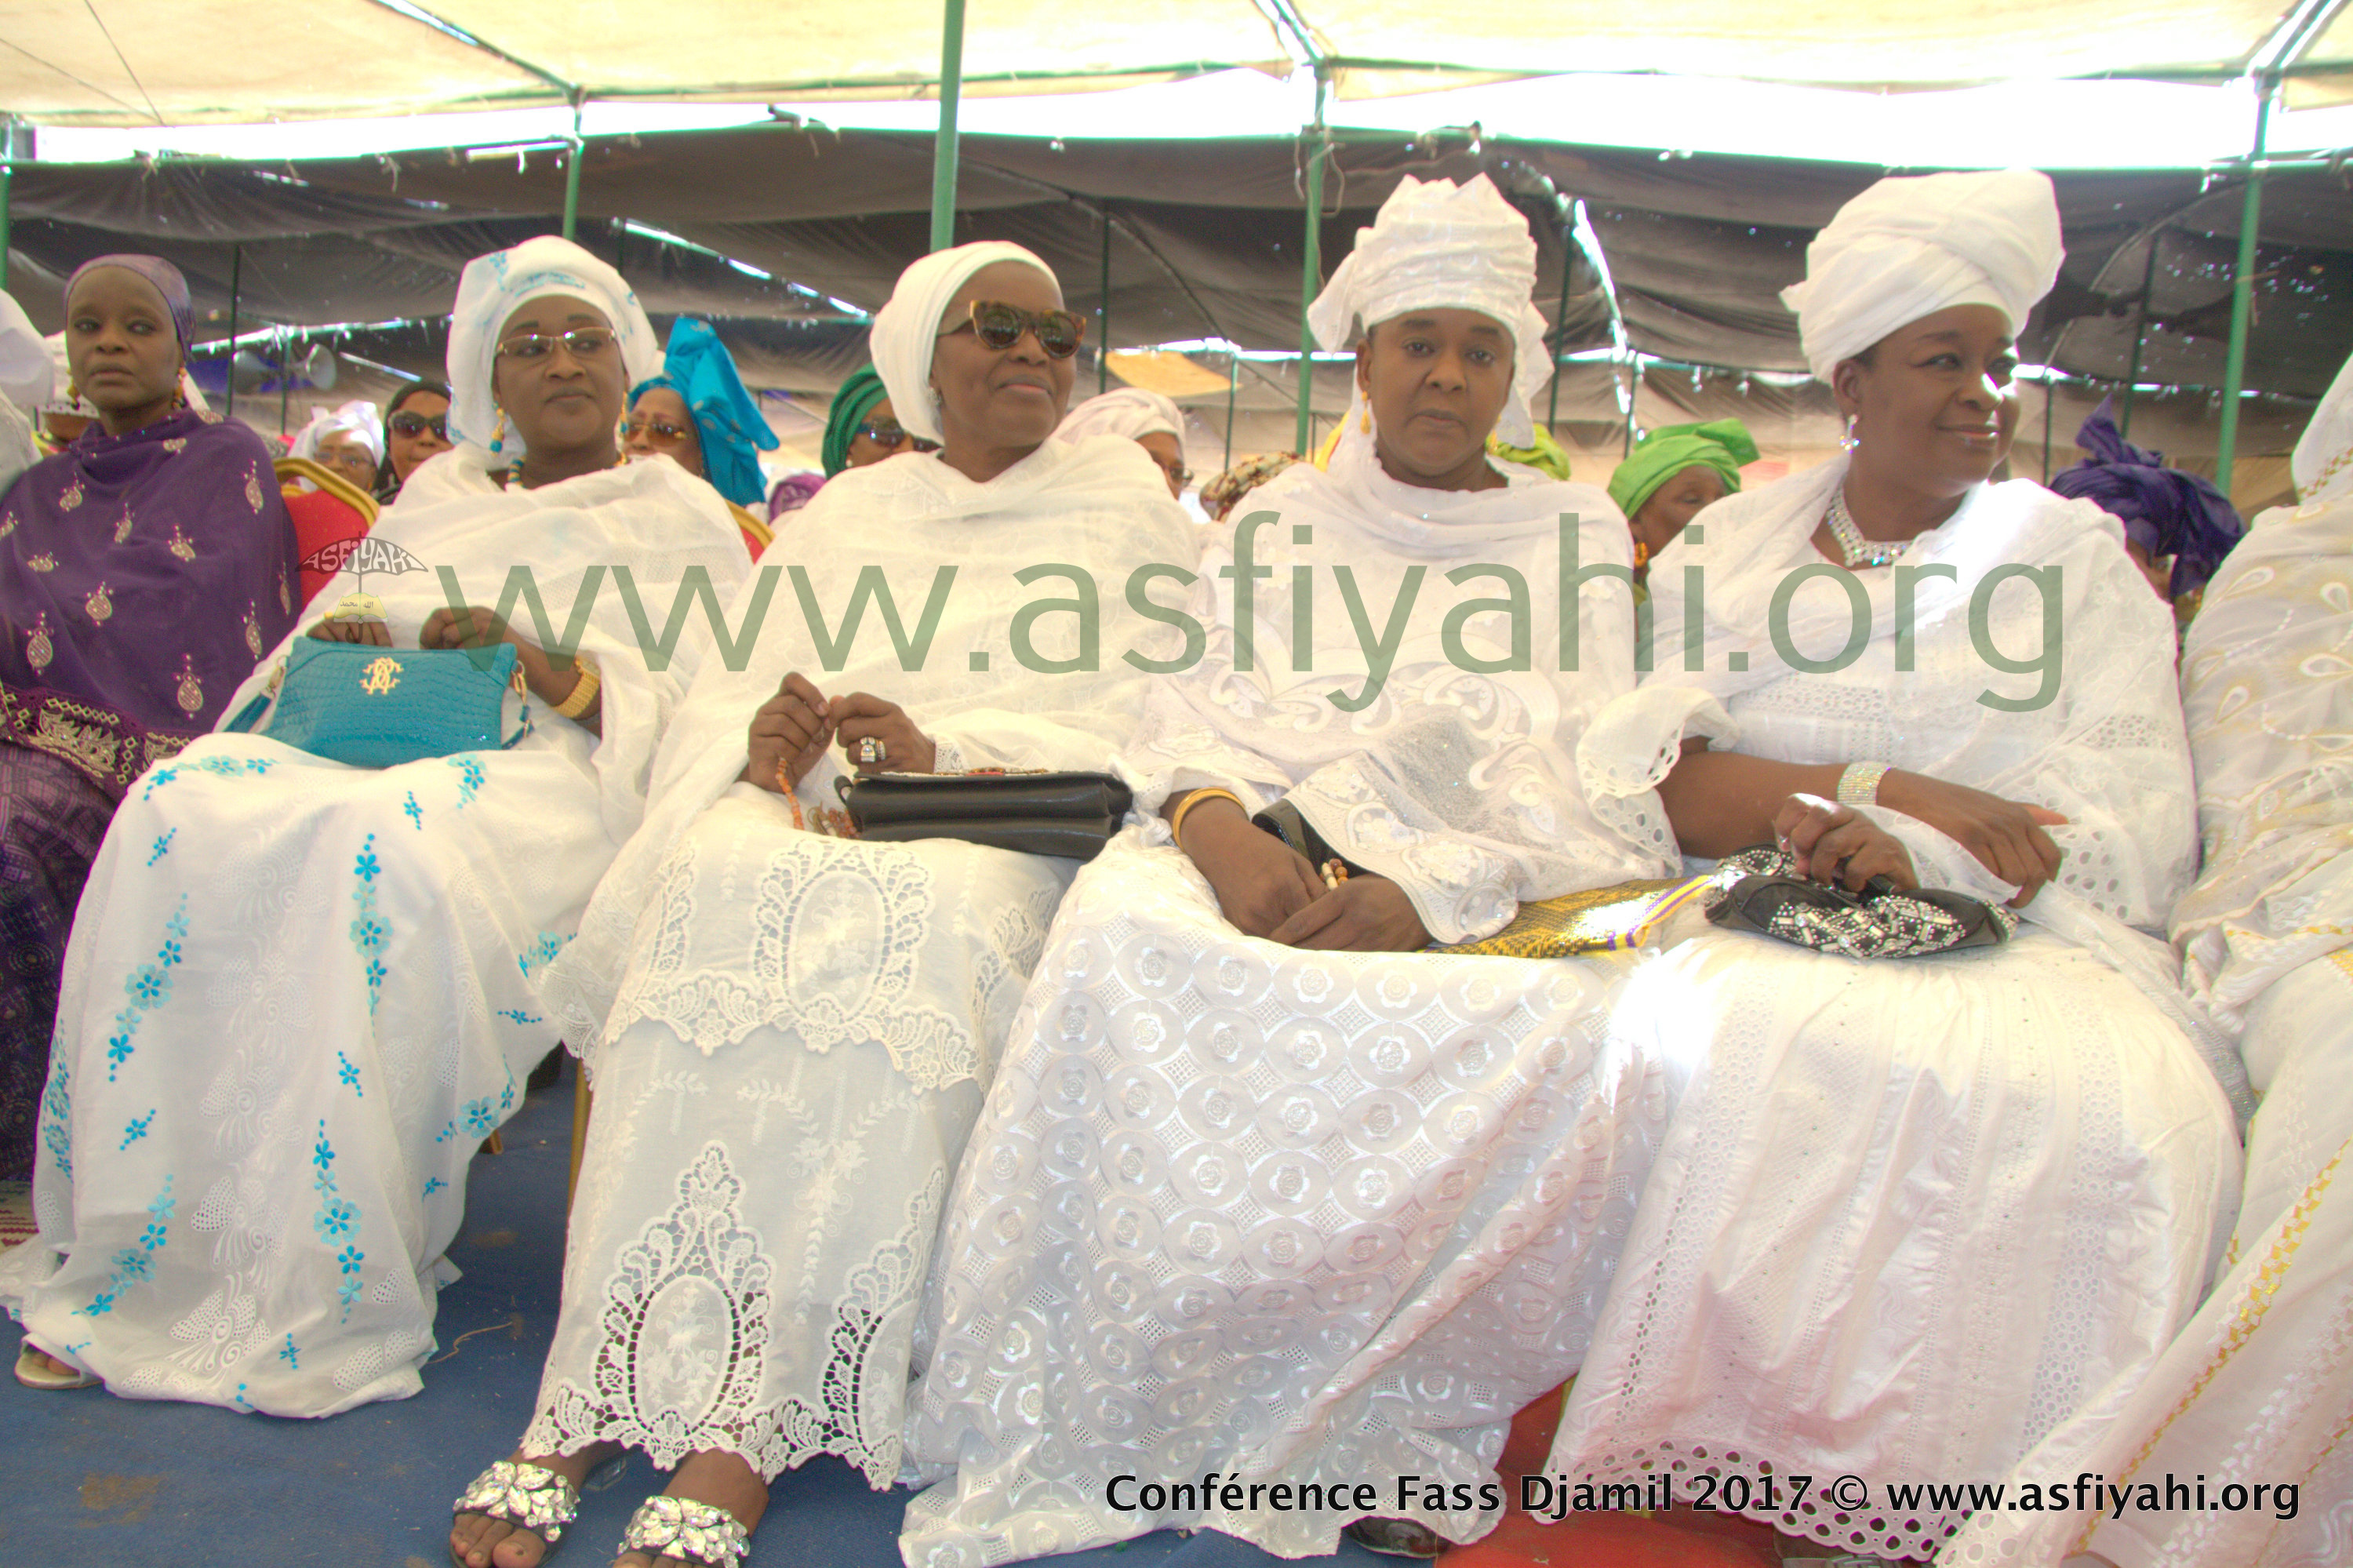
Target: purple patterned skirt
{"points": [[52, 820]]}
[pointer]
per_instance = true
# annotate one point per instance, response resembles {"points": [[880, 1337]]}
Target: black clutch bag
{"points": [[1757, 891], [1071, 815]]}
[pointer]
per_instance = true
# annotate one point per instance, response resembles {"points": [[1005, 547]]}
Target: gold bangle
{"points": [[1184, 807], [583, 691]]}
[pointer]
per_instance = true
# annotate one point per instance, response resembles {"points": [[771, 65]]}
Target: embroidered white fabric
{"points": [[1293, 1216], [332, 978], [791, 1034], [1912, 1215], [2257, 1387]]}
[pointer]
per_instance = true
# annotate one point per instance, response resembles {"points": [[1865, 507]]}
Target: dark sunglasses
{"points": [[582, 342], [890, 433], [999, 326], [415, 425], [659, 429]]}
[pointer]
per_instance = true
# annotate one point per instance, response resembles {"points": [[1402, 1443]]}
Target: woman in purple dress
{"points": [[142, 572]]}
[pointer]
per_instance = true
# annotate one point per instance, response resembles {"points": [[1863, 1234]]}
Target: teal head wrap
{"points": [[851, 406], [1722, 445], [698, 367]]}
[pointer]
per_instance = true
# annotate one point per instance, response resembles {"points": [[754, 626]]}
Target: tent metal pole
{"points": [[1311, 282], [2050, 390], [2242, 293], [943, 150], [235, 279], [2140, 333], [1560, 331], [572, 172], [7, 179], [1633, 395], [1103, 345], [1233, 390]]}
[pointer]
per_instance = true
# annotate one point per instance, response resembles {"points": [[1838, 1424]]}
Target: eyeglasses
{"points": [[415, 425], [891, 433], [1000, 326], [656, 430], [582, 342]]}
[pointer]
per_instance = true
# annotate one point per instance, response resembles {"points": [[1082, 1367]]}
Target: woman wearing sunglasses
{"points": [[698, 413], [321, 983], [416, 427], [745, 1262]]}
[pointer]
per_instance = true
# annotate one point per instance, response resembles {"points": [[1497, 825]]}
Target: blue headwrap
{"points": [[2164, 510], [698, 367]]}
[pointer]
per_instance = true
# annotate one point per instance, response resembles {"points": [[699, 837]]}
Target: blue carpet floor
{"points": [[93, 1480]]}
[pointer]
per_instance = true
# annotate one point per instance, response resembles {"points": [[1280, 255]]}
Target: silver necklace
{"points": [[1857, 550]]}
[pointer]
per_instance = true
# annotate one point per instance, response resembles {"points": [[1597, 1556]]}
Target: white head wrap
{"points": [[1909, 247], [906, 328], [26, 377], [494, 287], [1439, 246], [357, 418], [2323, 463], [1129, 411]]}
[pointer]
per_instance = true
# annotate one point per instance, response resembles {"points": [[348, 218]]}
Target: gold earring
{"points": [[498, 433], [73, 393]]}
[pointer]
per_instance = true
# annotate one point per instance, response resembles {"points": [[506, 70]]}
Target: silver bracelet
{"points": [[1859, 785]]}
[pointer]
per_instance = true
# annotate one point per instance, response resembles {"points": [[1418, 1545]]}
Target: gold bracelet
{"points": [[583, 691], [1177, 822]]}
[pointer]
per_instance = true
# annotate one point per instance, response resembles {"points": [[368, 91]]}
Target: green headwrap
{"points": [[851, 406], [1720, 444]]}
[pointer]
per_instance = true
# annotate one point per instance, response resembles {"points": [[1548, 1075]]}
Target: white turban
{"points": [[26, 377], [493, 288], [1129, 411], [2323, 463], [907, 327], [1909, 247], [1440, 245], [357, 418]]}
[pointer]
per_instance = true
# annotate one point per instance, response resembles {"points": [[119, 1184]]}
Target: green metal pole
{"points": [[572, 173], [1312, 260], [1103, 344], [2141, 334], [1560, 331], [943, 150], [2243, 296], [235, 278], [7, 178], [1233, 389]]}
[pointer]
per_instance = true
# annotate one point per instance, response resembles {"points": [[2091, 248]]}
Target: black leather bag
{"points": [[1758, 891], [1071, 815]]}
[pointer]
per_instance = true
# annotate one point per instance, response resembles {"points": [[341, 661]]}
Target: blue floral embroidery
{"points": [[542, 952], [350, 1073], [519, 1015], [470, 778], [415, 812], [289, 1355], [162, 844], [447, 1133], [149, 987], [57, 1104], [350, 1258], [135, 1264], [479, 1118], [337, 1216], [434, 1184], [131, 1264], [219, 767], [156, 780], [370, 933], [135, 1129]]}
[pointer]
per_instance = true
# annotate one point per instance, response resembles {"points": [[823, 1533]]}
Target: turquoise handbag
{"points": [[379, 707]]}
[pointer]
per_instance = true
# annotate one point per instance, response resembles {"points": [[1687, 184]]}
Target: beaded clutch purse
{"points": [[1757, 891]]}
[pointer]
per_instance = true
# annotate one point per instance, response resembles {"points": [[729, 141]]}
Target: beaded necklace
{"points": [[1857, 550]]}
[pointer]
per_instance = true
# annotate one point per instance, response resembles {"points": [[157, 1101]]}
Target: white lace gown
{"points": [[298, 995], [2258, 1388], [1298, 1217], [1911, 1214], [789, 1033]]}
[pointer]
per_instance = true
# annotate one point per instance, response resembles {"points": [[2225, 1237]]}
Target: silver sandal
{"points": [[527, 1496], [691, 1531]]}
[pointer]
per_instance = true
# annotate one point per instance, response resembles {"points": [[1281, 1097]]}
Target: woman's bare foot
{"points": [[44, 1362], [477, 1540], [714, 1477]]}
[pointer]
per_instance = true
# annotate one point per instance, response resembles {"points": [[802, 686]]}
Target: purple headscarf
{"points": [[163, 275], [141, 577], [2165, 511]]}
